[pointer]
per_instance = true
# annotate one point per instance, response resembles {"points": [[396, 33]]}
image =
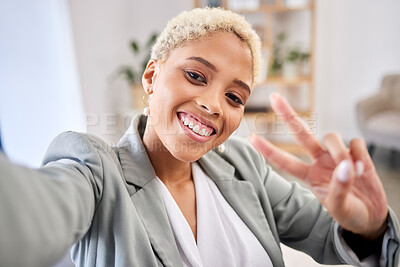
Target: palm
{"points": [[321, 170], [359, 204]]}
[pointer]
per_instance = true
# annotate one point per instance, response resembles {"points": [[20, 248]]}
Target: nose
{"points": [[211, 103]]}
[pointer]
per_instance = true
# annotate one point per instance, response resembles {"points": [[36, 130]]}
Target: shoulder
{"points": [[86, 156], [82, 148]]}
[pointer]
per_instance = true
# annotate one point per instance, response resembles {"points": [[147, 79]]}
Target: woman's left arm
{"points": [[343, 179]]}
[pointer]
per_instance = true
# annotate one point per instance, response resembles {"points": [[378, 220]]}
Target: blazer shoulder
{"points": [[81, 147], [87, 155]]}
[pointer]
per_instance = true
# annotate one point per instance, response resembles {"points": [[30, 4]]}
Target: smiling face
{"points": [[198, 97]]}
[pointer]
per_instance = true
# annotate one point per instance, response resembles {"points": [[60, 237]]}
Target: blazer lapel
{"points": [[151, 209], [243, 199], [145, 195]]}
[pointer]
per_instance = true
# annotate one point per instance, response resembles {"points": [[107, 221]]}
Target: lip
{"points": [[202, 120], [192, 135]]}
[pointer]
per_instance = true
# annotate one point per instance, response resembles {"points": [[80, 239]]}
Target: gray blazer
{"points": [[105, 202]]}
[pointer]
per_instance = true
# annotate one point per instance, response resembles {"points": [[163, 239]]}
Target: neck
{"points": [[168, 168]]}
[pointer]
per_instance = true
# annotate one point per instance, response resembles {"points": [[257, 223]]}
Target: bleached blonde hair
{"points": [[192, 25]]}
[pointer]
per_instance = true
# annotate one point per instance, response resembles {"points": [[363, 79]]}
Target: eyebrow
{"points": [[204, 62], [214, 68], [243, 85]]}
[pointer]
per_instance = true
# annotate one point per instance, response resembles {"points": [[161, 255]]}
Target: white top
{"points": [[223, 239]]}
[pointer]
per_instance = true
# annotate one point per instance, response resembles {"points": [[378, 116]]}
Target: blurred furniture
{"points": [[379, 115]]}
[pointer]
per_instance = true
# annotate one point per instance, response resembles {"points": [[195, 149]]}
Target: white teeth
{"points": [[196, 129]]}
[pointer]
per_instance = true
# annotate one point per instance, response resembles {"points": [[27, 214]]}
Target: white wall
{"points": [[358, 41], [39, 89]]}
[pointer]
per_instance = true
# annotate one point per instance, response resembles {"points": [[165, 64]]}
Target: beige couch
{"points": [[379, 115]]}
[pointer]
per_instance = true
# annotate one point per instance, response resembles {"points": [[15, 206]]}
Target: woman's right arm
{"points": [[44, 211]]}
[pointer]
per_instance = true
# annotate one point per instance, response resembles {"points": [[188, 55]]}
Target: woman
{"points": [[168, 196]]}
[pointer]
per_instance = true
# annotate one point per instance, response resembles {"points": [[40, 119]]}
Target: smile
{"points": [[200, 128]]}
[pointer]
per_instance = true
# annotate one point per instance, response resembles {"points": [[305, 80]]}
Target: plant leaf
{"points": [[152, 40], [135, 47], [129, 74]]}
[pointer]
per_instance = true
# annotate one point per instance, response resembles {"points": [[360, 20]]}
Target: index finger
{"points": [[299, 129], [280, 158]]}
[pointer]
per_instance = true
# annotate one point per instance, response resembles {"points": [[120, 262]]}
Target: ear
{"points": [[149, 76]]}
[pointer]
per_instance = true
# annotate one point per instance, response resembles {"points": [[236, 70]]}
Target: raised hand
{"points": [[343, 179]]}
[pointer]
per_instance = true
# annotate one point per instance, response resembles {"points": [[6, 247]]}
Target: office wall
{"points": [[39, 82], [358, 41]]}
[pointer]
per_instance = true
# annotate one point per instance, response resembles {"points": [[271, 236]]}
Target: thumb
{"points": [[340, 185]]}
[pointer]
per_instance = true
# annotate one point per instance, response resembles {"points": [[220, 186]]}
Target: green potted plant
{"points": [[294, 61], [304, 63], [277, 56], [290, 67], [133, 74]]}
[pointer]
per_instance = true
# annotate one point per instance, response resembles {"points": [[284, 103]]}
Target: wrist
{"points": [[364, 245], [375, 234]]}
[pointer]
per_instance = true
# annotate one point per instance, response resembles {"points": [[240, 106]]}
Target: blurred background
{"points": [[74, 65]]}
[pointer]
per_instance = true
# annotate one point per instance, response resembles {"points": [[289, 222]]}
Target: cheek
{"points": [[170, 91], [233, 121]]}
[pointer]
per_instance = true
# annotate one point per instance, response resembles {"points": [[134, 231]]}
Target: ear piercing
{"points": [[221, 148], [146, 110]]}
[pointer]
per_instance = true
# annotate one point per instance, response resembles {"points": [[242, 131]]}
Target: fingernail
{"points": [[359, 168], [343, 171]]}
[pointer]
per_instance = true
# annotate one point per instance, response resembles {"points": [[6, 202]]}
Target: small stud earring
{"points": [[146, 110], [221, 148]]}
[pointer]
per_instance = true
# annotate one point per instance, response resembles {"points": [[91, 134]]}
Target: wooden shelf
{"points": [[282, 81], [270, 116], [266, 26], [266, 116], [292, 148], [138, 96]]}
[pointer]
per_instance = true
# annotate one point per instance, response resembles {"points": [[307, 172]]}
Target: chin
{"points": [[190, 154], [187, 158]]}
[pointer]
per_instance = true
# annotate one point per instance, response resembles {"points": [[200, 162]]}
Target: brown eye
{"points": [[234, 98], [195, 77]]}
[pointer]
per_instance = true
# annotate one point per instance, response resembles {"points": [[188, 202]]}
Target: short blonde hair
{"points": [[192, 25]]}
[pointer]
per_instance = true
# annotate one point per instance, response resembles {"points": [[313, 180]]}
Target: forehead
{"points": [[223, 49]]}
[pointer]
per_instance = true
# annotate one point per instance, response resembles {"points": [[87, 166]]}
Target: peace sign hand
{"points": [[344, 180]]}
